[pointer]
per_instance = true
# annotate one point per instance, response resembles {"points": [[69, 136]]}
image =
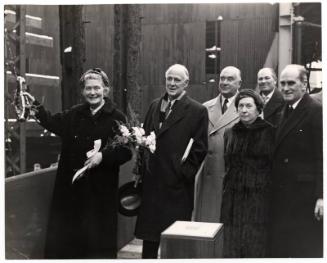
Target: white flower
{"points": [[125, 132], [152, 148], [150, 142], [138, 132]]}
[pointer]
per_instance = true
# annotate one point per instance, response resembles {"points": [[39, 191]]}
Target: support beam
{"points": [[119, 74], [39, 40], [128, 93], [134, 94], [37, 79], [285, 35], [21, 50], [297, 44], [33, 39], [31, 21], [71, 35]]}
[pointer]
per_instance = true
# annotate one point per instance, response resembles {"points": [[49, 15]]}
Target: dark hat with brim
{"points": [[129, 197]]}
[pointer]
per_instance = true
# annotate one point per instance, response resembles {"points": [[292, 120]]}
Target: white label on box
{"points": [[193, 229]]}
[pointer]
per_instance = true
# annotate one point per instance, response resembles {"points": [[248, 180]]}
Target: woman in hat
{"points": [[83, 214], [248, 157]]}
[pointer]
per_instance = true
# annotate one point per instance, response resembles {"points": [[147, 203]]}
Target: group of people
{"points": [[256, 155], [265, 160]]}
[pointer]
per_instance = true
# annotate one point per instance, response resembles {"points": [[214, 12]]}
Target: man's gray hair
{"points": [[237, 71], [180, 67], [272, 72], [301, 70]]}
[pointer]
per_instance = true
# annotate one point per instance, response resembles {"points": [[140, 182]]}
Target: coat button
{"points": [[286, 160]]}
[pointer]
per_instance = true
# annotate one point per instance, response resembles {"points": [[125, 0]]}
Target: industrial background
{"points": [[52, 45]]}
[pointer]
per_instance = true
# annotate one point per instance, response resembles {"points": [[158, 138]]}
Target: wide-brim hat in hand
{"points": [[129, 197]]}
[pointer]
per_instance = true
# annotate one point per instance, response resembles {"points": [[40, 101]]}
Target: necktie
{"points": [[265, 99], [289, 111], [224, 107], [167, 111]]}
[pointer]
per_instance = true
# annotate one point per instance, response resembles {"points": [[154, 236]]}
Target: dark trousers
{"points": [[150, 249]]}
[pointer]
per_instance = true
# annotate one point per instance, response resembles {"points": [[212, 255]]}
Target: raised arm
{"points": [[54, 123]]}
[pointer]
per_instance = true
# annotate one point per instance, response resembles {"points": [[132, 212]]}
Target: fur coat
{"points": [[248, 158]]}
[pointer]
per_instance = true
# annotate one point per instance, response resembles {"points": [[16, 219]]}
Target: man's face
{"points": [[291, 86], [229, 82], [175, 83], [93, 92], [266, 82]]}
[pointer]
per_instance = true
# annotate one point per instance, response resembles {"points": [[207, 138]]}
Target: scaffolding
{"points": [[15, 61], [16, 39]]}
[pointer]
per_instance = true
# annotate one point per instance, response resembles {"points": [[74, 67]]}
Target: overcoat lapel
{"points": [[273, 104], [214, 112], [297, 115], [178, 112], [221, 120], [156, 115]]}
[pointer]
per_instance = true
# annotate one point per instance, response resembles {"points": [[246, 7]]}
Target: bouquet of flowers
{"points": [[134, 137]]}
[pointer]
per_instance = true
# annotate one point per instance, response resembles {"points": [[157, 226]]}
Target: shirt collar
{"points": [[266, 98], [166, 100], [294, 105], [178, 98], [230, 100], [94, 111]]}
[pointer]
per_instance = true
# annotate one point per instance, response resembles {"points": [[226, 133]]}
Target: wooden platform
{"points": [[133, 250]]}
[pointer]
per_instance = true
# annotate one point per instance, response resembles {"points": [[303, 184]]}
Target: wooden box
{"points": [[185, 239]]}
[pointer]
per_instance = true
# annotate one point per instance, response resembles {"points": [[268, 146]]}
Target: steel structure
{"points": [[15, 59], [16, 40]]}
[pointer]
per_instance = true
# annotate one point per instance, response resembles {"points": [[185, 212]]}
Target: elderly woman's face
{"points": [[93, 92], [247, 110]]}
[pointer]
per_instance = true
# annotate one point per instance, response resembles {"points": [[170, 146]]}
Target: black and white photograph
{"points": [[163, 130]]}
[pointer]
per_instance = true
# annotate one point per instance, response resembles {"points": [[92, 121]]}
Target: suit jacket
{"points": [[210, 180], [168, 183], [297, 182], [272, 111]]}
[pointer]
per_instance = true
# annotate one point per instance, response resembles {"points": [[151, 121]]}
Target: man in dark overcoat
{"points": [[83, 215], [272, 97], [168, 182], [297, 204]]}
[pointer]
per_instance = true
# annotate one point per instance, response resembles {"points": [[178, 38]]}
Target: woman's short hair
{"points": [[246, 93], [94, 74]]}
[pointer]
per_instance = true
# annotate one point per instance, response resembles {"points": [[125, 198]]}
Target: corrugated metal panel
{"points": [[176, 34], [99, 33], [38, 56], [163, 45], [229, 43], [184, 13]]}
